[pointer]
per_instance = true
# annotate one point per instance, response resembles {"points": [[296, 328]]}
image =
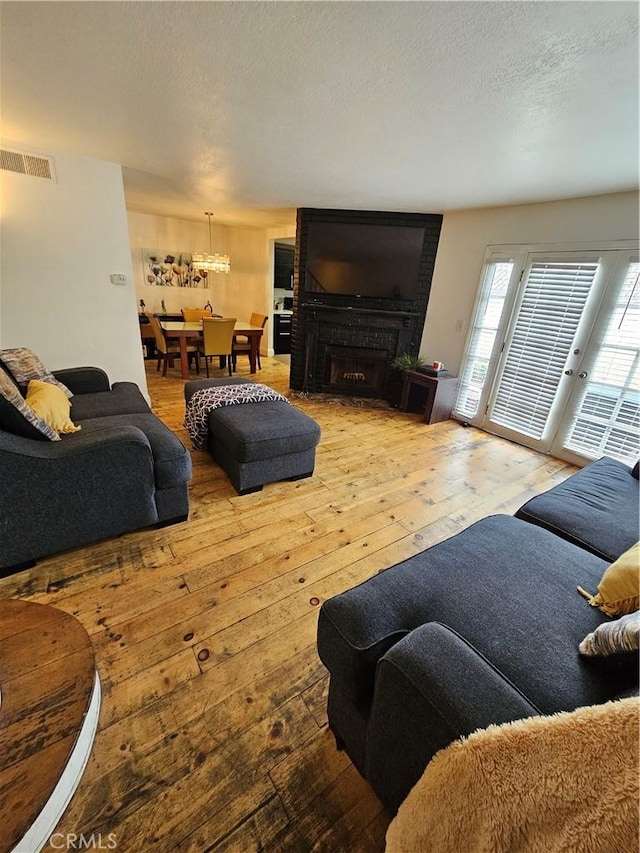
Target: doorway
{"points": [[553, 357], [282, 302]]}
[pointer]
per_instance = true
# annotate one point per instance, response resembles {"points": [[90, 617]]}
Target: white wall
{"points": [[466, 235], [247, 288], [60, 243]]}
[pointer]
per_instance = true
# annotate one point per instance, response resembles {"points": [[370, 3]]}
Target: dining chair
{"points": [[242, 345], [166, 351], [192, 315], [217, 340], [147, 337]]}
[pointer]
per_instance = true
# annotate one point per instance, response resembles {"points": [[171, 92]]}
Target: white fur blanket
{"points": [[196, 419], [567, 782]]}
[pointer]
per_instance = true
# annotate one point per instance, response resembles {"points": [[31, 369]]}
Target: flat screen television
{"points": [[363, 260]]}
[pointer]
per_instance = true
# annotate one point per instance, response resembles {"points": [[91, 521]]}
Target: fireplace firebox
{"points": [[355, 370]]}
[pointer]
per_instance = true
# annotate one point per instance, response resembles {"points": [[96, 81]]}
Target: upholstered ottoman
{"points": [[258, 442]]}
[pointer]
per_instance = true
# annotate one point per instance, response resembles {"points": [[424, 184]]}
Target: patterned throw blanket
{"points": [[196, 419]]}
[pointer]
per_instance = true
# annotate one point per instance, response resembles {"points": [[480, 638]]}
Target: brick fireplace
{"points": [[350, 350], [346, 346]]}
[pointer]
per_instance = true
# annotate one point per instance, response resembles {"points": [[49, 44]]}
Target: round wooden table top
{"points": [[47, 678]]}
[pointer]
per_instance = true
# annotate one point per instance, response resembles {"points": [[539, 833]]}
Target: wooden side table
{"points": [[439, 393], [48, 719]]}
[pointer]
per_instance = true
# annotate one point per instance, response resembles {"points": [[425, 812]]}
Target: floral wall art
{"points": [[172, 269]]}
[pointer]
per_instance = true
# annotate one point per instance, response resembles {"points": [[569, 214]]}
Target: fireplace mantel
{"points": [[354, 309]]}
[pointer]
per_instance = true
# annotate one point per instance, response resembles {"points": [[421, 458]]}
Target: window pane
{"points": [[482, 338], [554, 297], [608, 419]]}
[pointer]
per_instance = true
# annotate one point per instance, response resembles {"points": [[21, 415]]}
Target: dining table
{"points": [[182, 332]]}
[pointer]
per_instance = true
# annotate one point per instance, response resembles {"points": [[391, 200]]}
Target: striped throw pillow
{"points": [[612, 638], [23, 365]]}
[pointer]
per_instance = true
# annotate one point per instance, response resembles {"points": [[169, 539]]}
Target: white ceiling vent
{"points": [[27, 164]]}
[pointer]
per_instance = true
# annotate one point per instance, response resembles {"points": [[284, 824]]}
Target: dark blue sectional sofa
{"points": [[124, 470], [482, 628]]}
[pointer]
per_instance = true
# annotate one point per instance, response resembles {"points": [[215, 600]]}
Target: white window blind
{"points": [[482, 338], [553, 299], [608, 418]]}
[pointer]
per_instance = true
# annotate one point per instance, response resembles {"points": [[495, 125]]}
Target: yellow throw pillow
{"points": [[619, 589], [50, 403]]}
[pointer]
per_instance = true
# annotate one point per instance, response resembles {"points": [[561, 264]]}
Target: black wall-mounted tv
{"points": [[363, 259]]}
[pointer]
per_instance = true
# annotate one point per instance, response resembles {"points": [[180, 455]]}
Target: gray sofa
{"points": [[482, 628], [124, 470]]}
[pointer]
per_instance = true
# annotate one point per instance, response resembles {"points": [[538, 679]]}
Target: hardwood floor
{"points": [[212, 733]]}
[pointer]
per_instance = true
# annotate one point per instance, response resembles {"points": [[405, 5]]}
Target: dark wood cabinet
{"points": [[434, 395], [283, 266], [282, 333]]}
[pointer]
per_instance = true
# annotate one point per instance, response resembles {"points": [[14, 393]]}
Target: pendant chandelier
{"points": [[211, 262]]}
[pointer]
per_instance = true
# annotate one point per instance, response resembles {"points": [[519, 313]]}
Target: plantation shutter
{"points": [[482, 337], [608, 418], [553, 299]]}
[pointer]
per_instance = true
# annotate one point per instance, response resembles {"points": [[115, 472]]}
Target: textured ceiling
{"points": [[252, 109]]}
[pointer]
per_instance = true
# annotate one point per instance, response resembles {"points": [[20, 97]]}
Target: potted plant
{"points": [[407, 361]]}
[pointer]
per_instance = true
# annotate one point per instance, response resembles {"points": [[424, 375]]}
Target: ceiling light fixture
{"points": [[211, 262]]}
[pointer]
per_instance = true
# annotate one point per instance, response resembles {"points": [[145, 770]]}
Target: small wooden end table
{"points": [[439, 393]]}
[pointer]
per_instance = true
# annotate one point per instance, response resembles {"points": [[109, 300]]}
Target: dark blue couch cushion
{"points": [[124, 398], [507, 587], [597, 509]]}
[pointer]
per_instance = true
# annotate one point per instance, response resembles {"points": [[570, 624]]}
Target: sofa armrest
{"points": [[63, 494], [431, 688], [69, 448], [83, 380]]}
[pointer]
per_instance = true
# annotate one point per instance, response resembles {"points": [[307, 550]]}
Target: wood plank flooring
{"points": [[213, 732]]}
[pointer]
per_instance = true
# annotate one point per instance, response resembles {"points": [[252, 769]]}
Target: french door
{"points": [[553, 359], [602, 416]]}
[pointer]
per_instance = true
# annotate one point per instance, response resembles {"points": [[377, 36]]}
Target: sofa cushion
{"points": [[506, 587], [51, 404], [18, 418], [597, 509], [83, 380], [24, 365], [124, 398], [171, 459]]}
